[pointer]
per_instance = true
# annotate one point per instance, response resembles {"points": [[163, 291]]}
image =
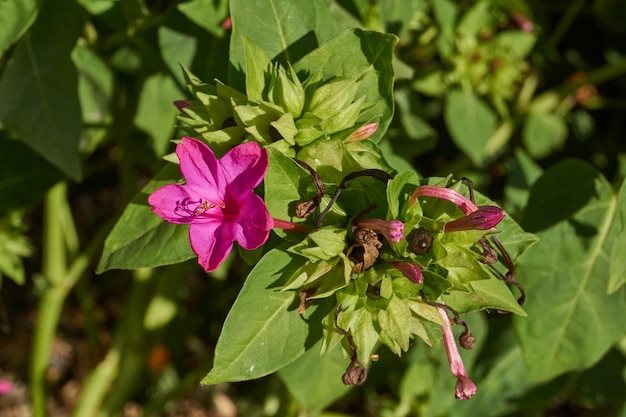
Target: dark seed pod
{"points": [[420, 241]]}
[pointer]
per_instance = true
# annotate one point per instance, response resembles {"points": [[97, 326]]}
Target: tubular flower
{"points": [[465, 387], [393, 230], [217, 200], [411, 271], [484, 218], [464, 203]]}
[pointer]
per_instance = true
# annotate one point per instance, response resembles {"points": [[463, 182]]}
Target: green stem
{"points": [[51, 302], [60, 279]]}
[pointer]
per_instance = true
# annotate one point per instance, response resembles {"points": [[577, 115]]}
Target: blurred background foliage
{"points": [[496, 90]]}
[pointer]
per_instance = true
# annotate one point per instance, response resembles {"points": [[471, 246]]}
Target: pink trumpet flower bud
{"points": [[484, 218], [464, 203], [411, 271], [465, 387], [393, 230], [363, 132]]}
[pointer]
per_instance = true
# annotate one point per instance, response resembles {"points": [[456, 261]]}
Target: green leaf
{"points": [[286, 183], [618, 260], [141, 239], [208, 14], [24, 175], [330, 159], [326, 243], [543, 134], [258, 66], [156, 113], [39, 87], [315, 379], [445, 12], [516, 41], [365, 57], [263, 331], [486, 293], [95, 89], [285, 29], [471, 122], [15, 19], [571, 320], [178, 49]]}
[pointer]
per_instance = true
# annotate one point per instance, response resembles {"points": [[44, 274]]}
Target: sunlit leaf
{"points": [[263, 331]]}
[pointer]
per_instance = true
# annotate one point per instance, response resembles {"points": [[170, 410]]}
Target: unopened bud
{"points": [[484, 218], [362, 133], [411, 271]]}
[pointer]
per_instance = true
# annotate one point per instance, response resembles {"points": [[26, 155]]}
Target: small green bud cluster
{"points": [[286, 109]]}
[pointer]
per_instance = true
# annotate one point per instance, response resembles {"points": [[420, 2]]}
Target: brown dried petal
{"points": [[356, 374], [305, 208], [363, 256], [367, 236]]}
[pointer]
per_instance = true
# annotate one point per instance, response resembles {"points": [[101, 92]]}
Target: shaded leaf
{"points": [[571, 320], [618, 260], [543, 134], [471, 122], [15, 19], [39, 88], [315, 379]]}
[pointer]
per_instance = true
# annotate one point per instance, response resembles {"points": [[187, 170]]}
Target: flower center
{"points": [[195, 207]]}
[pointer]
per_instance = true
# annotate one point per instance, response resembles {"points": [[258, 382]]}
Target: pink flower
{"points": [[393, 230], [217, 200], [6, 386], [411, 271], [465, 387], [484, 218]]}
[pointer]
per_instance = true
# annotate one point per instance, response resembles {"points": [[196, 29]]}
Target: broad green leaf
{"points": [[478, 18], [39, 87], [471, 122], [285, 29], [178, 49], [571, 320], [543, 134], [208, 14], [315, 379], [15, 19], [330, 159], [263, 331], [445, 13], [156, 113], [395, 325], [141, 239], [365, 57], [517, 41], [618, 260]]}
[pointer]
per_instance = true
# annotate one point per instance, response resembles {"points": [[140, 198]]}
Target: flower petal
{"points": [[254, 223], [244, 166], [166, 203], [201, 169], [212, 242]]}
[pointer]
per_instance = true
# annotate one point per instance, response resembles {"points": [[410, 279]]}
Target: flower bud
{"points": [[419, 241], [393, 230], [484, 218], [462, 202], [181, 105], [362, 133], [411, 271], [288, 92]]}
